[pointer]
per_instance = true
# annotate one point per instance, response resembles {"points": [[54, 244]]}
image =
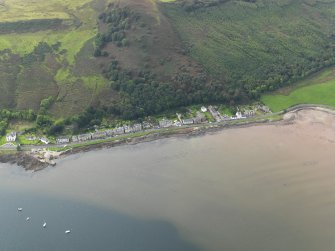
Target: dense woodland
{"points": [[258, 46], [116, 21], [141, 92]]}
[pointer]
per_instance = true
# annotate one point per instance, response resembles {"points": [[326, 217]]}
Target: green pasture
{"points": [[317, 90]]}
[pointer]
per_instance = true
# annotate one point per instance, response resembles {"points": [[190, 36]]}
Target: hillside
{"points": [[133, 58], [55, 51], [143, 59], [40, 41], [258, 45]]}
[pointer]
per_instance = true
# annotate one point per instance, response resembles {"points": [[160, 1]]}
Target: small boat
{"points": [[68, 231], [20, 209], [28, 219], [44, 225]]}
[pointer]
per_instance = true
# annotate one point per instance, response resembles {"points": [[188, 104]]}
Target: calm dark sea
{"points": [[92, 228]]}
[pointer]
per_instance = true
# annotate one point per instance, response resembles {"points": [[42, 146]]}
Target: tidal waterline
{"points": [[256, 188]]}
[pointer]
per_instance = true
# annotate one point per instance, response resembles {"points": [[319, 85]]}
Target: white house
{"points": [[11, 137], [137, 127], [74, 138], [238, 115], [203, 109], [45, 141], [118, 131], [99, 135], [63, 140], [85, 137], [128, 129]]}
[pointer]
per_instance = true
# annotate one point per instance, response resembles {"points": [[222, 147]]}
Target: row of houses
{"points": [[199, 118], [244, 115], [12, 136], [101, 134], [44, 140], [239, 115], [164, 123], [250, 113]]}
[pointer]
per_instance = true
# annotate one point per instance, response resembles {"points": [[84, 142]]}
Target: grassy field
{"points": [[38, 9], [25, 85], [319, 89], [71, 40]]}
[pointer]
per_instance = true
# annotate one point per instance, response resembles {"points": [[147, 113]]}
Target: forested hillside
{"points": [[132, 58], [258, 45]]}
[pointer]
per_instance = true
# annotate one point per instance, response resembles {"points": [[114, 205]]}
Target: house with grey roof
{"points": [[118, 131], [137, 127], [84, 137], [165, 123], [11, 137], [249, 113], [109, 133], [216, 115], [99, 135], [63, 140], [188, 121], [128, 129], [146, 125], [200, 118]]}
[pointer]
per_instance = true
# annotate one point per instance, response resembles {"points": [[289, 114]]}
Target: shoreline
{"points": [[29, 161]]}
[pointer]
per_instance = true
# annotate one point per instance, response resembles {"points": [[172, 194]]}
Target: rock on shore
{"points": [[23, 159]]}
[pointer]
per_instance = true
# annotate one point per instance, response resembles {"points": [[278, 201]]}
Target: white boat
{"points": [[28, 219], [20, 209], [68, 231], [44, 225]]}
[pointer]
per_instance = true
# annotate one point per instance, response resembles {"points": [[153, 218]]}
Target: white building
{"points": [[85, 137], [11, 137], [164, 123], [238, 115], [109, 133], [203, 109], [128, 129], [63, 140], [118, 131], [74, 138], [99, 135], [137, 127], [45, 141]]}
